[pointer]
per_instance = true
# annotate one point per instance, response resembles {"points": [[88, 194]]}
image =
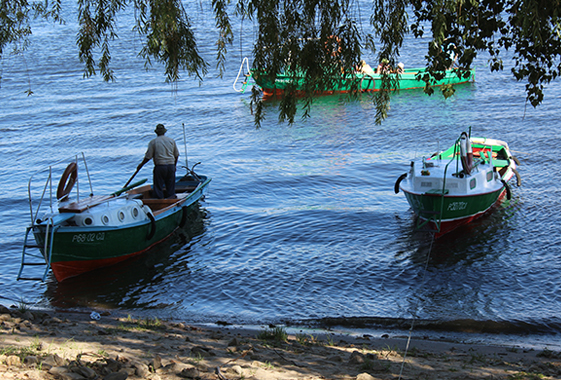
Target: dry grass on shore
{"points": [[51, 345]]}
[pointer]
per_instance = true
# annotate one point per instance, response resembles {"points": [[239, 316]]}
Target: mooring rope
{"points": [[413, 319]]}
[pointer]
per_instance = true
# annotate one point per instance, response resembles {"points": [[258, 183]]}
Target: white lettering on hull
{"points": [[86, 238], [457, 206]]}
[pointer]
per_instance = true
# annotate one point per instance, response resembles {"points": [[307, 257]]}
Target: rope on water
{"points": [[413, 319]]}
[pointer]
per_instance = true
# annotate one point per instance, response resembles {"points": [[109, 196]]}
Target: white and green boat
{"points": [[454, 187], [75, 234]]}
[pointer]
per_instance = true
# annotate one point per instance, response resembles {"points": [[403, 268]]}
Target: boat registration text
{"points": [[83, 238]]}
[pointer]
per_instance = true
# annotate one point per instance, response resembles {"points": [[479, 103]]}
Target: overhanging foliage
{"points": [[321, 39]]}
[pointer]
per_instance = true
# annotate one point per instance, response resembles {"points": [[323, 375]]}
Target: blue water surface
{"points": [[301, 221]]}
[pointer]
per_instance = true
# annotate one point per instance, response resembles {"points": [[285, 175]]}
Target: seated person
{"points": [[452, 54], [383, 67], [400, 68], [365, 68]]}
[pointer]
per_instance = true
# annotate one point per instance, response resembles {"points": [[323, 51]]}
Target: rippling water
{"points": [[301, 221]]}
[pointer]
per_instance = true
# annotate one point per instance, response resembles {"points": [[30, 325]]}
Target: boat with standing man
{"points": [[75, 234]]}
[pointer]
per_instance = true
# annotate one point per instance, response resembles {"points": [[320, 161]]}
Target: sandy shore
{"points": [[72, 346]]}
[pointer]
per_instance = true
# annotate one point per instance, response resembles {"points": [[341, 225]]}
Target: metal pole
{"points": [[185, 143]]}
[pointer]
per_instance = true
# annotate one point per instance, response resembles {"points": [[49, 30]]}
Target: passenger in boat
{"points": [[163, 150], [400, 68], [333, 45], [383, 67], [365, 68], [452, 54]]}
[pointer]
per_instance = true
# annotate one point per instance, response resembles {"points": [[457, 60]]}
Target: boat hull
{"points": [[79, 249], [452, 211], [366, 83], [82, 249]]}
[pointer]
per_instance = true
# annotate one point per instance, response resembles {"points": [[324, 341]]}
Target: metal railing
{"points": [[77, 158]]}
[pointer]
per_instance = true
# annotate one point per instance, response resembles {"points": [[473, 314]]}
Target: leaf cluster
{"points": [[292, 37], [314, 40], [15, 17], [529, 28], [169, 37]]}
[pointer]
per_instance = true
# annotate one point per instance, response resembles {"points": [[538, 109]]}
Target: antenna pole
{"points": [[185, 143]]}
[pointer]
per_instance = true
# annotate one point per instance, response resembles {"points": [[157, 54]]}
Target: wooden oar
{"points": [[129, 181], [126, 188]]}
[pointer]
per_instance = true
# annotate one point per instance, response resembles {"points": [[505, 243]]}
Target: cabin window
{"points": [[472, 184], [489, 176], [426, 184]]}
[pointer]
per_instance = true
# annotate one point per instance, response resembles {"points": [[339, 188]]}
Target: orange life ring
{"points": [[67, 181]]}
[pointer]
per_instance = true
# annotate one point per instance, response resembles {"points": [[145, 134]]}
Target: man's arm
{"points": [[144, 161], [175, 152]]}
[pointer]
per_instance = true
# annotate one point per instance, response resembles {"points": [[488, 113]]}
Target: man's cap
{"points": [[160, 129]]}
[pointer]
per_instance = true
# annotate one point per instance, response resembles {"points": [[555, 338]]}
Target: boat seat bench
{"points": [[160, 204], [500, 163]]}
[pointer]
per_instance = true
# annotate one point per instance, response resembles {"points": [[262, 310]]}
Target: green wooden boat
{"points": [[75, 234], [454, 187], [409, 79]]}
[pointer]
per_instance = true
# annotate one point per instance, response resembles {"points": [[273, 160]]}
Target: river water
{"points": [[301, 221]]}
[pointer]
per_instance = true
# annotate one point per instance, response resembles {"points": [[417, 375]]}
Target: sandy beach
{"points": [[62, 345]]}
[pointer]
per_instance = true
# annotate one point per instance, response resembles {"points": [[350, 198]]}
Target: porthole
{"points": [[135, 212], [88, 221], [105, 219], [121, 215]]}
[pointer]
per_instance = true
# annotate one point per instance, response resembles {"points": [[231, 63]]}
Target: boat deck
{"points": [[84, 204], [142, 193]]}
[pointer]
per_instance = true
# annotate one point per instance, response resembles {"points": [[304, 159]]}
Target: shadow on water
{"points": [[484, 238], [115, 286]]}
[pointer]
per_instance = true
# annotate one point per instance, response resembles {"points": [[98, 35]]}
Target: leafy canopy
{"points": [[320, 39]]}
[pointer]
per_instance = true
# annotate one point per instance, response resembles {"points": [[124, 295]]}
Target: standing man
{"points": [[164, 152]]}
